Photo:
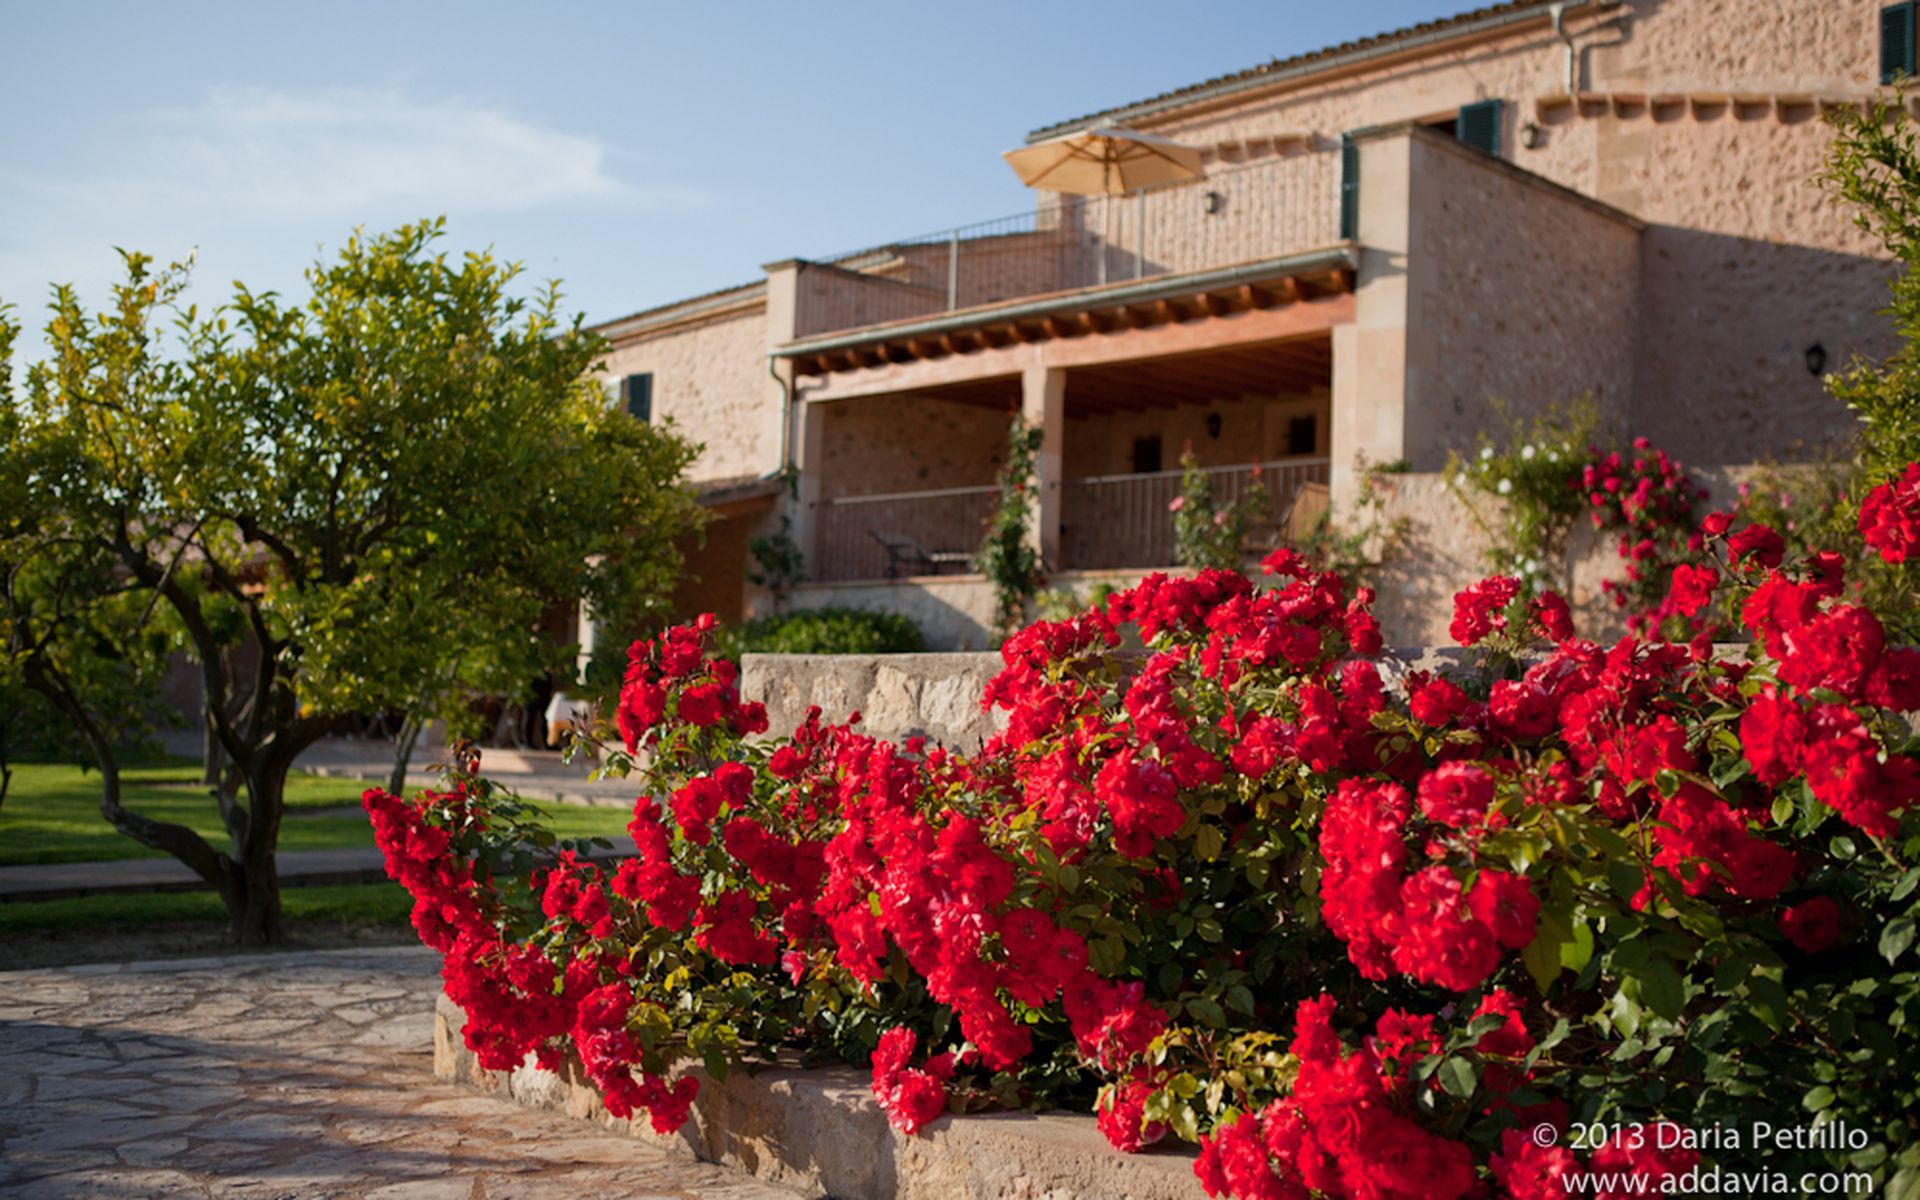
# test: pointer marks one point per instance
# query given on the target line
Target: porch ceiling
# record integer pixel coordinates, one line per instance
(1299, 365)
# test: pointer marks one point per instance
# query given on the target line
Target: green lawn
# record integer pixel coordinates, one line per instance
(52, 814)
(367, 904)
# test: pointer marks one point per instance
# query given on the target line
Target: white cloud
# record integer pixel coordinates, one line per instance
(344, 150)
(254, 174)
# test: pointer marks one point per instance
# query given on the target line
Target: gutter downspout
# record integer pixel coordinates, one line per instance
(1557, 13)
(786, 416)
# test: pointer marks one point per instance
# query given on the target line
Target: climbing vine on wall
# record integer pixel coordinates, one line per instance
(1007, 556)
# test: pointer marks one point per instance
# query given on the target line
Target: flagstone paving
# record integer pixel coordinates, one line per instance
(298, 1076)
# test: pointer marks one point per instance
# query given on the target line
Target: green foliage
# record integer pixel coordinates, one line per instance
(1059, 604)
(1008, 557)
(68, 626)
(1367, 535)
(362, 501)
(823, 631)
(1521, 486)
(1207, 534)
(779, 564)
(1873, 163)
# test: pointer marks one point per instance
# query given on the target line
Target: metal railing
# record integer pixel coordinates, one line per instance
(1238, 213)
(930, 533)
(1127, 520)
(1106, 521)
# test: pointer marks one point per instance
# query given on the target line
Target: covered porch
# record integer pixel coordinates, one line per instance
(904, 479)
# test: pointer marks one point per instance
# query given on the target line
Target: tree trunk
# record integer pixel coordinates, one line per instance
(403, 752)
(256, 916)
(254, 911)
(213, 755)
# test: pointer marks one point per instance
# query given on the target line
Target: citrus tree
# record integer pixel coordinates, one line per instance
(362, 501)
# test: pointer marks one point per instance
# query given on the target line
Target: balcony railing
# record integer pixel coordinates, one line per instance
(1106, 521)
(1240, 213)
(900, 533)
(1127, 520)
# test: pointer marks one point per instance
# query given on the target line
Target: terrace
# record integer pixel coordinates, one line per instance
(1185, 316)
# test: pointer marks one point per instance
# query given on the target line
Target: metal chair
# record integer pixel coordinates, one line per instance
(905, 550)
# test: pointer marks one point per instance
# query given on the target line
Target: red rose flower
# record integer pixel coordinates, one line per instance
(1812, 925)
(1890, 516)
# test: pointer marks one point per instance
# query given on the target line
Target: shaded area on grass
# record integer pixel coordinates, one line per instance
(47, 933)
(52, 814)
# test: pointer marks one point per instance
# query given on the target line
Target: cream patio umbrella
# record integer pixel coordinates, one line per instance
(1104, 161)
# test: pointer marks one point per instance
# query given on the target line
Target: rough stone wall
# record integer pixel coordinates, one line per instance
(710, 380)
(1519, 296)
(909, 443)
(897, 695)
(820, 1133)
(1251, 427)
(954, 612)
(1445, 546)
(1731, 306)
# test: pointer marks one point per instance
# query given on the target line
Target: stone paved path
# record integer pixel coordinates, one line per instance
(304, 1076)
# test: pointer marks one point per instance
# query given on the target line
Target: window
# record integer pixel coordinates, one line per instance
(1349, 188)
(1303, 435)
(1479, 126)
(1146, 455)
(636, 396)
(1896, 41)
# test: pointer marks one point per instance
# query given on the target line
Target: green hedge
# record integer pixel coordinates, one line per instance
(824, 631)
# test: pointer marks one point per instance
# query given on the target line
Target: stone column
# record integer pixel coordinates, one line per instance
(800, 435)
(809, 442)
(1371, 364)
(1043, 402)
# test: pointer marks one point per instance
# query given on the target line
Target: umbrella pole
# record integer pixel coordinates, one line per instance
(1106, 228)
(1140, 235)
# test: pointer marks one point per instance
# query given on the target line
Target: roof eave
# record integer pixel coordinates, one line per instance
(1413, 41)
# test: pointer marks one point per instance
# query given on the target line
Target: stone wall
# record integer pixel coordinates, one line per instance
(877, 445)
(1445, 546)
(897, 695)
(1520, 295)
(954, 612)
(819, 1132)
(1701, 120)
(710, 380)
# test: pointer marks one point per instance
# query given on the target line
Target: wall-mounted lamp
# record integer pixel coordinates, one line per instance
(1212, 202)
(1817, 359)
(1529, 135)
(1213, 425)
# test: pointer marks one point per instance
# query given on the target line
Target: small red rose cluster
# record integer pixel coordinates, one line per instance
(1646, 496)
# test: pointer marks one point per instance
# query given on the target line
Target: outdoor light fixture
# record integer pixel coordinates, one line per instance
(1529, 135)
(1211, 202)
(1213, 425)
(1817, 359)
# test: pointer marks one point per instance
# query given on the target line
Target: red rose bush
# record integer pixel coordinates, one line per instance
(1230, 878)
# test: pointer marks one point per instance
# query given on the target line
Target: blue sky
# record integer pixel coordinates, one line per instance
(640, 152)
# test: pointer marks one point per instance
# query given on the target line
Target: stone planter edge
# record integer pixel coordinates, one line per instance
(819, 1132)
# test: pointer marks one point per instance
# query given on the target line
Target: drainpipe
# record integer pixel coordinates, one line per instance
(1557, 12)
(786, 415)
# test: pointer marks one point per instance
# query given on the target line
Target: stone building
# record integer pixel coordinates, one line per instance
(1521, 205)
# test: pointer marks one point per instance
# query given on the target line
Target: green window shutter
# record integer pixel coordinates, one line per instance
(1349, 188)
(636, 394)
(1896, 41)
(1479, 126)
